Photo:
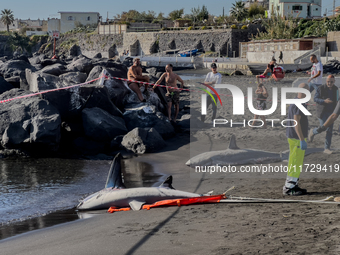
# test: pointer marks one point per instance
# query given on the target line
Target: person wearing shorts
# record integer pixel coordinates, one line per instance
(266, 74)
(172, 95)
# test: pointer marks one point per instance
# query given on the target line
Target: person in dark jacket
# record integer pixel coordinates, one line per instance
(326, 97)
(281, 57)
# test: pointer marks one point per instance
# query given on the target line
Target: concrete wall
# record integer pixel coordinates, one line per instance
(53, 25)
(224, 41)
(107, 45)
(111, 29)
(333, 41)
(29, 33)
(265, 57)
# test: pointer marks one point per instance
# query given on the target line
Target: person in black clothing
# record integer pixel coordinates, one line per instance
(281, 57)
(261, 104)
(326, 97)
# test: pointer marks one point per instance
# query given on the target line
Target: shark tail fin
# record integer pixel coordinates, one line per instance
(167, 183)
(114, 178)
(232, 143)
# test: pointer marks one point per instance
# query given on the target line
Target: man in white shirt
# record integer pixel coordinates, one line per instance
(316, 74)
(212, 78)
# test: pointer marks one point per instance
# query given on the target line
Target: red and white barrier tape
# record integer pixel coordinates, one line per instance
(50, 90)
(107, 77)
(181, 89)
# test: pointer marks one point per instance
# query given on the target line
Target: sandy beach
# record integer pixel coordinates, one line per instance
(243, 228)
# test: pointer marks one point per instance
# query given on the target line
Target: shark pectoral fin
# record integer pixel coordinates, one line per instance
(167, 183)
(136, 205)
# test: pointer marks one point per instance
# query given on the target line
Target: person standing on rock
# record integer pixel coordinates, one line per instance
(135, 74)
(172, 95)
(296, 132)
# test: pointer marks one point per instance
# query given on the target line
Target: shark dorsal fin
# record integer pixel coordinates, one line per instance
(167, 183)
(114, 179)
(232, 143)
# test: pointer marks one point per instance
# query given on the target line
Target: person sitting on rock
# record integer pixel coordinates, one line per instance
(135, 74)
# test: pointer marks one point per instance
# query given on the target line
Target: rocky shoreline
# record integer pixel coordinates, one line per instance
(82, 121)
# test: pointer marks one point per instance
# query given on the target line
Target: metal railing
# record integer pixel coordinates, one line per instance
(305, 56)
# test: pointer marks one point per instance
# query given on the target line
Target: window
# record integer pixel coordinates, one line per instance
(70, 18)
(316, 9)
(278, 7)
(88, 18)
(297, 8)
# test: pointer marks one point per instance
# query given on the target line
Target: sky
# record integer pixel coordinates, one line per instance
(43, 9)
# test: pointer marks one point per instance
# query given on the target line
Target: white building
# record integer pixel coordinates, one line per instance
(295, 8)
(70, 20)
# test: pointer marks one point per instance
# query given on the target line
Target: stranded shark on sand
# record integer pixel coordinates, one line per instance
(116, 195)
(235, 156)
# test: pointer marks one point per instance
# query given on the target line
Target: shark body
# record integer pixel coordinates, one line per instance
(115, 194)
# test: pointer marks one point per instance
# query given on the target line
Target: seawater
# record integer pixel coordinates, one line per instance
(39, 193)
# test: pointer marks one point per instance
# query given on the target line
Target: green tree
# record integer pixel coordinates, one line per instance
(198, 14)
(148, 17)
(7, 17)
(176, 14)
(19, 42)
(130, 16)
(255, 9)
(238, 11)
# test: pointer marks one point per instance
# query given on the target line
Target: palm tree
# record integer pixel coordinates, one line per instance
(238, 10)
(7, 17)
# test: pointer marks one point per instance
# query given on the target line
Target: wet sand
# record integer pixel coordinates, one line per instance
(257, 228)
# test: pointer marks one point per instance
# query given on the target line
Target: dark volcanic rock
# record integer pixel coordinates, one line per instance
(142, 140)
(98, 55)
(55, 69)
(146, 116)
(83, 65)
(100, 126)
(14, 80)
(30, 123)
(73, 78)
(14, 68)
(4, 85)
